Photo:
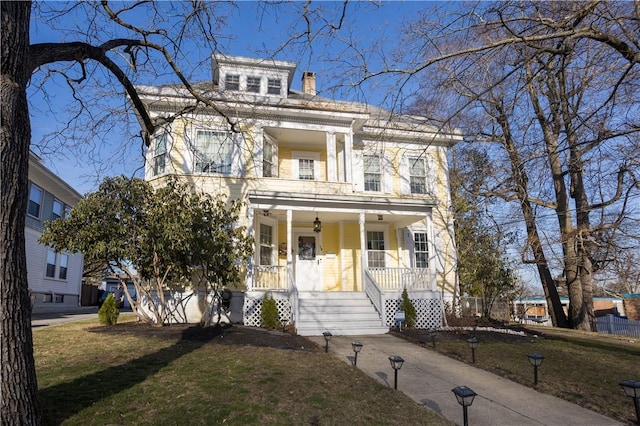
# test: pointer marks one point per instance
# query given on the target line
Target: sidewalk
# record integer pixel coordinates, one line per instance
(428, 378)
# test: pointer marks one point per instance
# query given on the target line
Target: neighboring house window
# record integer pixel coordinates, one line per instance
(269, 158)
(253, 84)
(274, 86)
(35, 201)
(52, 256)
(266, 244)
(57, 209)
(372, 173)
(64, 263)
(213, 152)
(417, 175)
(232, 82)
(421, 249)
(375, 249)
(305, 169)
(159, 154)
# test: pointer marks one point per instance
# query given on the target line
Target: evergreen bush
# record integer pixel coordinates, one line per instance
(410, 315)
(269, 315)
(108, 313)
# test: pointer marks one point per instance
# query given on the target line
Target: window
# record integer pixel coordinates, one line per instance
(64, 263)
(213, 152)
(266, 244)
(305, 169)
(417, 175)
(375, 249)
(372, 173)
(159, 154)
(35, 201)
(421, 249)
(51, 263)
(57, 209)
(232, 82)
(274, 86)
(269, 158)
(253, 84)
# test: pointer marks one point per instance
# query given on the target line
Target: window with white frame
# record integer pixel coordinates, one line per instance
(372, 173)
(52, 257)
(274, 86)
(232, 82)
(57, 209)
(375, 249)
(417, 175)
(421, 249)
(35, 201)
(269, 158)
(159, 154)
(306, 169)
(213, 152)
(266, 244)
(253, 84)
(63, 265)
(56, 262)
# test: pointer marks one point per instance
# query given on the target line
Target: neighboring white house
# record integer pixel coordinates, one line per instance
(348, 204)
(55, 279)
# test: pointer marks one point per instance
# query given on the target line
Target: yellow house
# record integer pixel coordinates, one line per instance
(348, 204)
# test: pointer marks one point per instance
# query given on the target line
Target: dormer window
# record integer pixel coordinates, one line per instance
(253, 84)
(232, 82)
(274, 86)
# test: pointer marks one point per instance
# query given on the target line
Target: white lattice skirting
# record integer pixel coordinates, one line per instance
(428, 311)
(253, 305)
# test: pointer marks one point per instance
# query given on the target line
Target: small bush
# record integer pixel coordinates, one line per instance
(269, 315)
(108, 313)
(410, 316)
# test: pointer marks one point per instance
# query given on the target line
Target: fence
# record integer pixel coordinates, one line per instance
(613, 324)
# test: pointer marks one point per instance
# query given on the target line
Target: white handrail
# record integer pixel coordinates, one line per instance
(374, 292)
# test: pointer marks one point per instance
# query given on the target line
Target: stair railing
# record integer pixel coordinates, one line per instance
(374, 292)
(293, 297)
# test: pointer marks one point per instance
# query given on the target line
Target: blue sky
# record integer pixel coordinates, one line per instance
(250, 31)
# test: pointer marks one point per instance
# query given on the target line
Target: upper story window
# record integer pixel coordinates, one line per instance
(421, 249)
(417, 175)
(269, 158)
(306, 169)
(35, 201)
(213, 152)
(253, 84)
(159, 154)
(372, 173)
(57, 209)
(274, 86)
(232, 82)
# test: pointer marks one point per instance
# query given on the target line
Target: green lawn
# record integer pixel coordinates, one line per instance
(89, 378)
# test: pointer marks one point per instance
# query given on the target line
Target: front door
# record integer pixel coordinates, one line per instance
(308, 262)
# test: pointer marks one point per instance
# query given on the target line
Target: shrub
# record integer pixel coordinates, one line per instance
(269, 315)
(410, 315)
(108, 313)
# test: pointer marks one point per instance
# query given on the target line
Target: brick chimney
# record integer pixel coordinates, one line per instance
(309, 82)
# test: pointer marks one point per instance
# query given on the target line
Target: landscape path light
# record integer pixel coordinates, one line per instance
(327, 336)
(357, 347)
(396, 363)
(465, 397)
(536, 361)
(473, 344)
(632, 390)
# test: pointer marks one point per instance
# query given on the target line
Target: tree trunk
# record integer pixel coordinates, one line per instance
(18, 383)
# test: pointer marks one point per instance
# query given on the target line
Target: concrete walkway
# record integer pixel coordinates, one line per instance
(428, 378)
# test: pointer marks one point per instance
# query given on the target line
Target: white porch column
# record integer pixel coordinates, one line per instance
(348, 156)
(258, 149)
(431, 243)
(363, 244)
(250, 234)
(289, 240)
(332, 172)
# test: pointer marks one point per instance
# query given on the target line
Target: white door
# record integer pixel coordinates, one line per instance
(308, 262)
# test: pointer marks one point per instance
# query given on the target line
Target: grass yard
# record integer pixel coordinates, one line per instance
(89, 377)
(583, 368)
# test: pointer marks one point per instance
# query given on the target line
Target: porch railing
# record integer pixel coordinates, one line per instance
(293, 297)
(271, 277)
(400, 278)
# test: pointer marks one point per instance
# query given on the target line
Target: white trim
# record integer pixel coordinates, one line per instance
(305, 155)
